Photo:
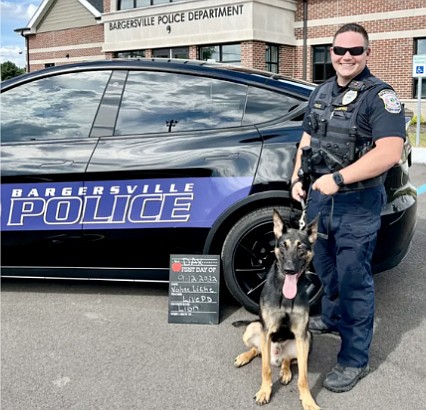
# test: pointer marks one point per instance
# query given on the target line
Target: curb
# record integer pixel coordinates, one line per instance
(419, 155)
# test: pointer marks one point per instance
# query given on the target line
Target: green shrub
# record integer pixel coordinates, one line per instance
(414, 120)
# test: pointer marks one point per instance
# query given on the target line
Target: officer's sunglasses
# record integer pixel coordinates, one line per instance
(353, 51)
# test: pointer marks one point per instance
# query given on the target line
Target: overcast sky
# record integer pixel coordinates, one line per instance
(15, 14)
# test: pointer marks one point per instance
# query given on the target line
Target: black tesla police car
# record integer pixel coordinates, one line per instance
(110, 167)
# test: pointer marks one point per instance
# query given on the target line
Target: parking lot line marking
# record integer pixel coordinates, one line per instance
(421, 189)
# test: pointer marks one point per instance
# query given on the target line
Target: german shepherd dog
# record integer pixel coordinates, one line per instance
(281, 334)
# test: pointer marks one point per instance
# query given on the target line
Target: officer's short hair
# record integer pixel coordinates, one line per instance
(356, 28)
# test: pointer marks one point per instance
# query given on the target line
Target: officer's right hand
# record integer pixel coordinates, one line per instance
(326, 185)
(297, 192)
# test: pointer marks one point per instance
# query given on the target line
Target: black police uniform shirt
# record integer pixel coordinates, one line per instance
(378, 115)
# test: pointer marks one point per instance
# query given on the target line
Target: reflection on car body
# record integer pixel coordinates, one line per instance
(165, 157)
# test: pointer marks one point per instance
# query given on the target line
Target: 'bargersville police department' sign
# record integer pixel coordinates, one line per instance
(178, 17)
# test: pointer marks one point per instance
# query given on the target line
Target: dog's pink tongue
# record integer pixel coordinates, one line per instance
(290, 286)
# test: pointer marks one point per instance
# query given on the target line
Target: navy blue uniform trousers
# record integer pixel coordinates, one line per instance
(347, 225)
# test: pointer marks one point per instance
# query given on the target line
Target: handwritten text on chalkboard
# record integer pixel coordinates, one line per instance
(194, 289)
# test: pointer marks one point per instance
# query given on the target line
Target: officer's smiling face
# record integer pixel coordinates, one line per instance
(348, 66)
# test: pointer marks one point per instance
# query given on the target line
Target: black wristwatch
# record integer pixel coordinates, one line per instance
(338, 179)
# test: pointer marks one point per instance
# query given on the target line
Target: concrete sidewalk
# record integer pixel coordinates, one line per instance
(419, 155)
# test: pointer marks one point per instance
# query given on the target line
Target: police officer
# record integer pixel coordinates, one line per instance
(354, 131)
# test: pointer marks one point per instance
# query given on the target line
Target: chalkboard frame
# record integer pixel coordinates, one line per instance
(194, 289)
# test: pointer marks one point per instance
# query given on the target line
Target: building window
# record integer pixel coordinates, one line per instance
(226, 53)
(177, 52)
(47, 65)
(322, 67)
(419, 48)
(134, 4)
(271, 58)
(131, 54)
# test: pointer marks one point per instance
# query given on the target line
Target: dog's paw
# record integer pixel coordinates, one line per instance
(240, 361)
(285, 372)
(263, 397)
(243, 359)
(286, 376)
(310, 405)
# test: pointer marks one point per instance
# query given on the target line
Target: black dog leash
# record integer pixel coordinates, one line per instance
(302, 220)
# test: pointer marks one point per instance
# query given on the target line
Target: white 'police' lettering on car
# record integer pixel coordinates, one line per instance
(90, 210)
(117, 204)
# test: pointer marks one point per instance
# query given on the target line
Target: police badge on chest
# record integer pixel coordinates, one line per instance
(349, 97)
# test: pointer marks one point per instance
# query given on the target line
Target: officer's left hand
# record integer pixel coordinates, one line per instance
(325, 185)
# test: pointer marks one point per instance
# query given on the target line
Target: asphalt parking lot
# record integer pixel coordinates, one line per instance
(92, 345)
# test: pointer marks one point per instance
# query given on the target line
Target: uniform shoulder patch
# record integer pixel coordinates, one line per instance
(391, 101)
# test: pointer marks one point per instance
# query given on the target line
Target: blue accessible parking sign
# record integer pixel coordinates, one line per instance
(419, 65)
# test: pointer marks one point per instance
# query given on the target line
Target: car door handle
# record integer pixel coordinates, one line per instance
(224, 156)
(56, 164)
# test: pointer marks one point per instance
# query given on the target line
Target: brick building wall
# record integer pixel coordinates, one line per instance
(323, 9)
(288, 61)
(66, 46)
(253, 54)
(391, 57)
(107, 6)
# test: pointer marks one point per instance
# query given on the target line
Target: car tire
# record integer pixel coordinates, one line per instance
(248, 253)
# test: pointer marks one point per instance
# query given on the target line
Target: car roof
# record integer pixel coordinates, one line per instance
(195, 67)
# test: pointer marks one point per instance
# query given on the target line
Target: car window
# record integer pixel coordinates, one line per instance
(57, 107)
(168, 102)
(264, 105)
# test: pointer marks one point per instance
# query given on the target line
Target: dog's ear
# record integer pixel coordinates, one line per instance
(279, 224)
(312, 230)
